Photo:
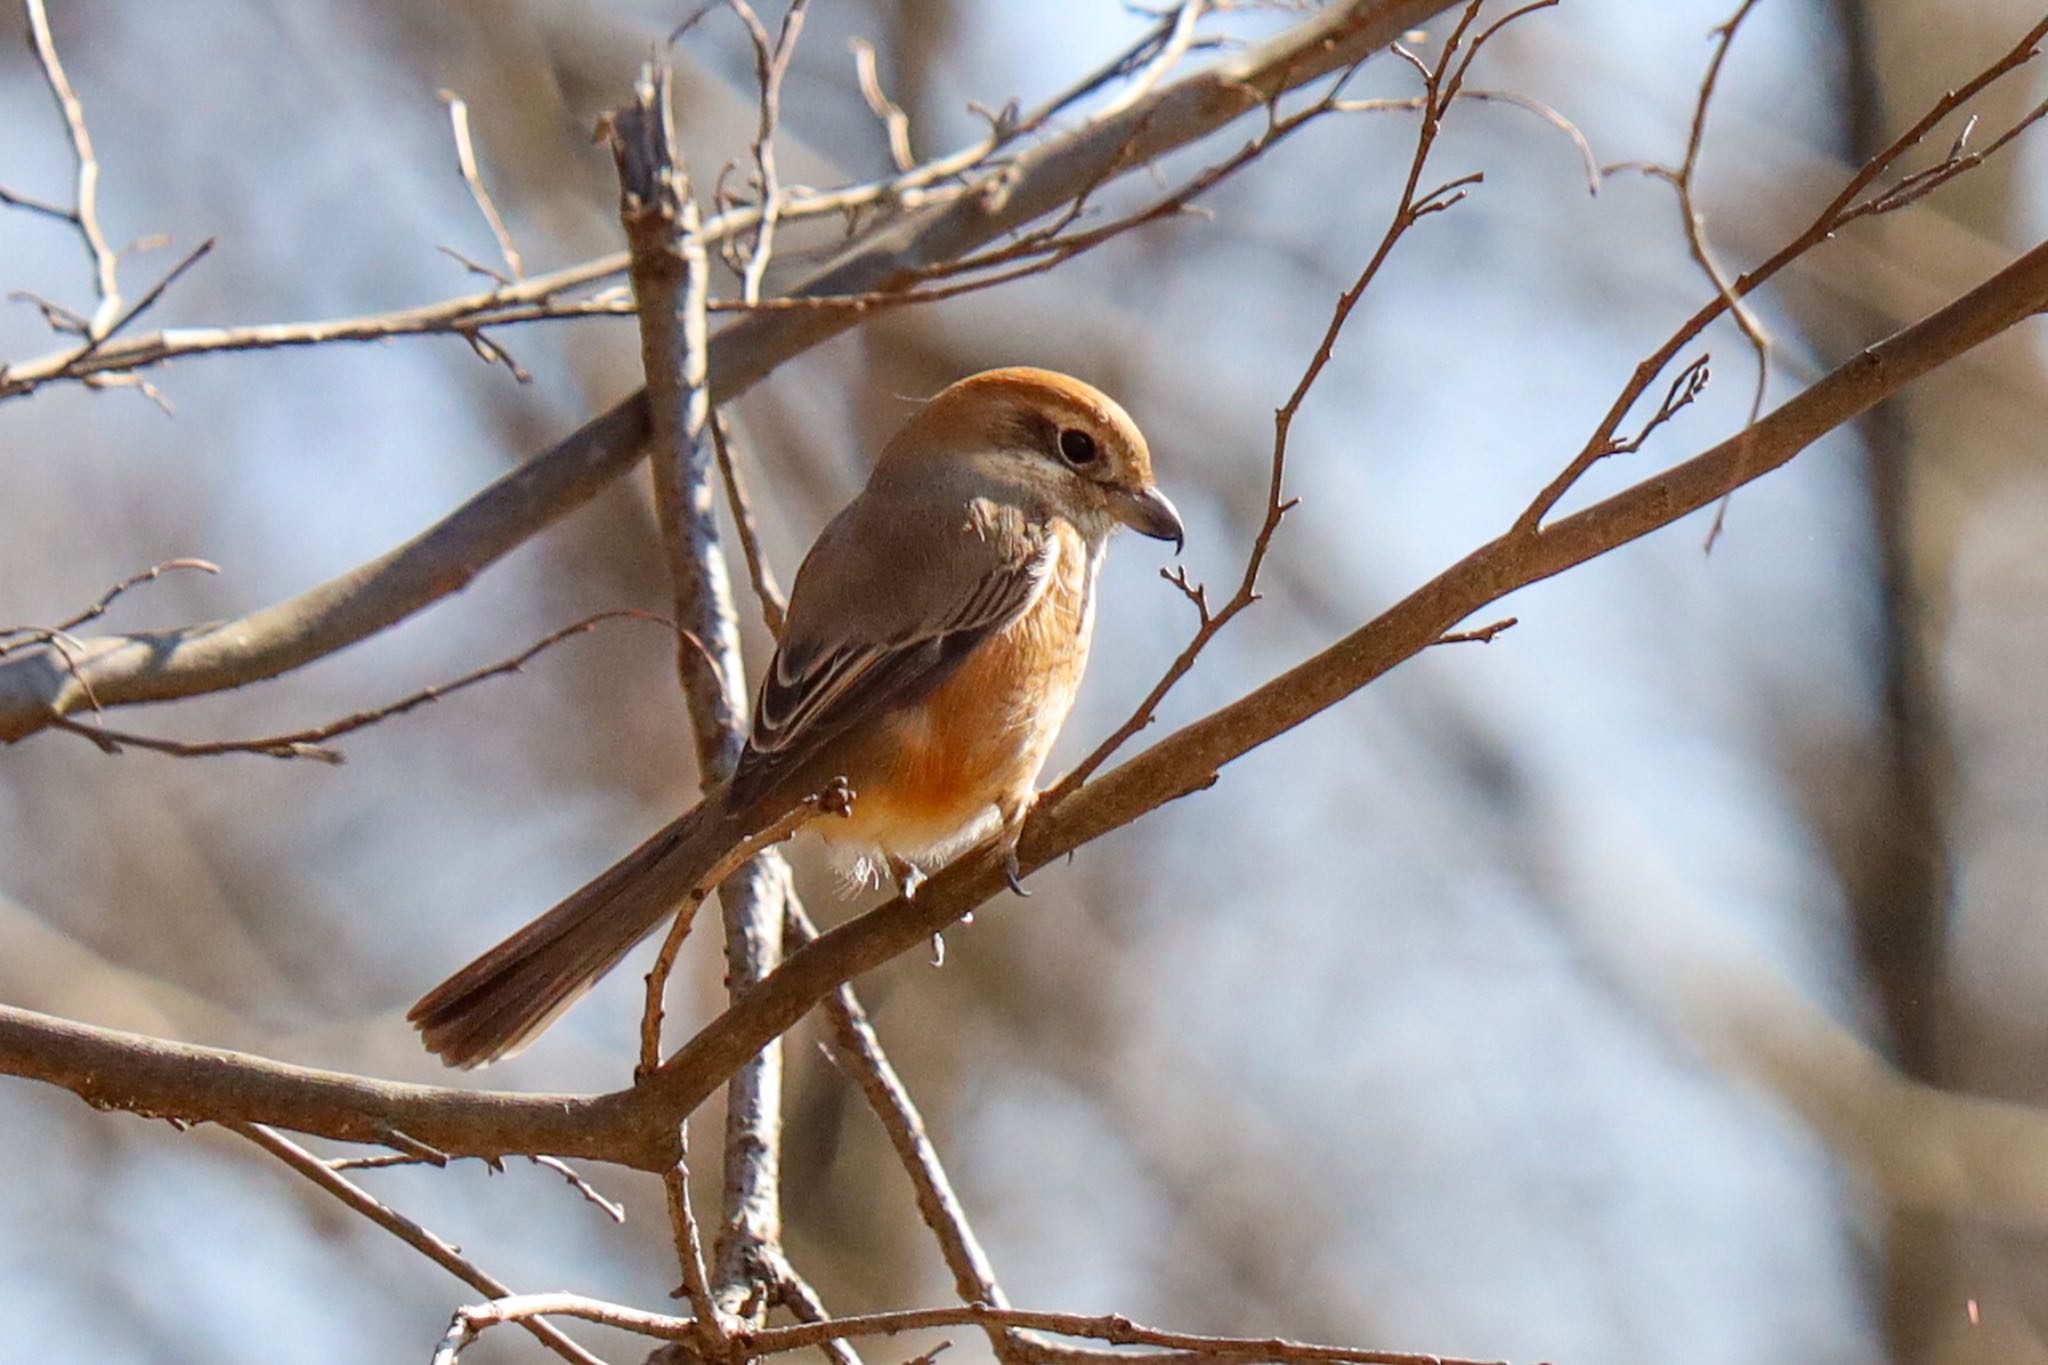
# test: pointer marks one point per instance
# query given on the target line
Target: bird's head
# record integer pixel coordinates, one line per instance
(1047, 435)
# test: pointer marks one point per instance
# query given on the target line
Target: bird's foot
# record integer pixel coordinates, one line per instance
(1013, 832)
(909, 876)
(1012, 872)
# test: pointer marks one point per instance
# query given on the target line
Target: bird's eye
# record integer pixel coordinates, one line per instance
(1077, 447)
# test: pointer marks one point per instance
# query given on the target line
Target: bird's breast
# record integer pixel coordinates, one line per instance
(979, 740)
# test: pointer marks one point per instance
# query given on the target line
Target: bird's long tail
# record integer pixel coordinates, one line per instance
(502, 1001)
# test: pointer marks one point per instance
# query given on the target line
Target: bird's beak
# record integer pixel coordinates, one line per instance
(1149, 512)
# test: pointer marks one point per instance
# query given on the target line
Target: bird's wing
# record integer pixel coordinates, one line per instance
(883, 609)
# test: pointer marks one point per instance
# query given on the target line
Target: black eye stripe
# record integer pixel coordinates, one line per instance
(1077, 446)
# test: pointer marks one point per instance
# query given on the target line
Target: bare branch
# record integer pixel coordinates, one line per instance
(381, 1161)
(1113, 1329)
(774, 605)
(104, 330)
(796, 1294)
(440, 1252)
(312, 743)
(1180, 36)
(895, 123)
(85, 212)
(1438, 93)
(99, 607)
(465, 158)
(1188, 760)
(858, 1052)
(1603, 441)
(771, 64)
(934, 225)
(670, 280)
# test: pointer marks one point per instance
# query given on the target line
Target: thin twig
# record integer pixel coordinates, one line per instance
(312, 743)
(795, 1293)
(858, 1052)
(771, 64)
(85, 213)
(381, 1161)
(1114, 1329)
(611, 1207)
(1603, 441)
(1180, 36)
(102, 334)
(895, 123)
(1696, 235)
(465, 157)
(44, 634)
(442, 1253)
(774, 604)
(932, 186)
(1551, 116)
(1439, 91)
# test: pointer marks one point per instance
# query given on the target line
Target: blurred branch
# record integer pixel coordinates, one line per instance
(465, 159)
(83, 215)
(14, 637)
(1113, 1329)
(771, 64)
(441, 1252)
(36, 689)
(160, 666)
(1843, 208)
(895, 123)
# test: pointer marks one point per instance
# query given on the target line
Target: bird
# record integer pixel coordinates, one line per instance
(933, 643)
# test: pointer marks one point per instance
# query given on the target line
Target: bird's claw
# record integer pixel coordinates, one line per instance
(909, 876)
(1012, 873)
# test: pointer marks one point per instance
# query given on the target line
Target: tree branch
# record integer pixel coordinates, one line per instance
(436, 1249)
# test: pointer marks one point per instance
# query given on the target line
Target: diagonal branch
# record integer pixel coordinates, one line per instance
(441, 1252)
(1440, 88)
(858, 1051)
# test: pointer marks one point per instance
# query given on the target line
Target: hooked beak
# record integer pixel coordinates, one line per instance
(1149, 512)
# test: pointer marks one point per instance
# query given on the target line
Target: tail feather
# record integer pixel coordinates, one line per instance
(502, 1001)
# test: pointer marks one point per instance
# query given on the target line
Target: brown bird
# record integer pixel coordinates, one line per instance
(935, 639)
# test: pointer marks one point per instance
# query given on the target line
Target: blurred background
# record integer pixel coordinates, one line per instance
(1608, 993)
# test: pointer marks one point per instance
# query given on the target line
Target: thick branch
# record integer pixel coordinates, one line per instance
(670, 279)
(109, 1069)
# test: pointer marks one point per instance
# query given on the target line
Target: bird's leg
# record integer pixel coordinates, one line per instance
(909, 876)
(1013, 814)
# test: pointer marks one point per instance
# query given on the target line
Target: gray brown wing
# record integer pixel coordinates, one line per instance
(881, 613)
